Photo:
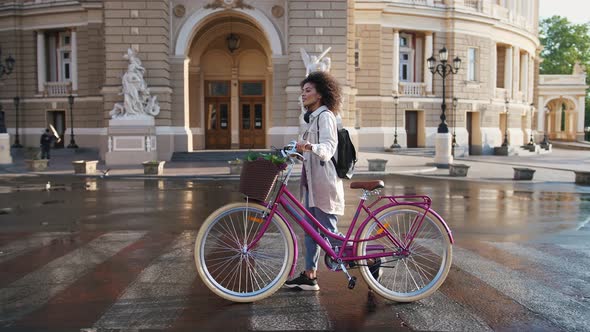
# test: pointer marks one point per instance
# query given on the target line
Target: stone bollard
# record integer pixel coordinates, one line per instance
(377, 165)
(235, 166)
(458, 169)
(84, 166)
(582, 178)
(523, 173)
(153, 167)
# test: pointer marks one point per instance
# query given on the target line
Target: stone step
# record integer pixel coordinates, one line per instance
(212, 155)
(426, 152)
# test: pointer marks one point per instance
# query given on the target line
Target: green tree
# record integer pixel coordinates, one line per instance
(564, 43)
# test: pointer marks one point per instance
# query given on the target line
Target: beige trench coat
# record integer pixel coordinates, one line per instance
(326, 191)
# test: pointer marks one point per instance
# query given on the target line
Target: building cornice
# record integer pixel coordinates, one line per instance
(437, 19)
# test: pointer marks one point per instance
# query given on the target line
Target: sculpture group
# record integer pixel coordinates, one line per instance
(137, 102)
(312, 63)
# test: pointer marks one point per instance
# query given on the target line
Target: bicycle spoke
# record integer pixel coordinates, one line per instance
(241, 273)
(413, 270)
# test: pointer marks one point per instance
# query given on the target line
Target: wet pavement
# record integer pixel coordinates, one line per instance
(115, 253)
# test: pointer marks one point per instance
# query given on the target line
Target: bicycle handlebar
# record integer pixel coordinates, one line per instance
(290, 151)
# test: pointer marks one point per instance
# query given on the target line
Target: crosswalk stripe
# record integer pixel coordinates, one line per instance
(287, 310)
(577, 267)
(158, 295)
(21, 246)
(579, 248)
(36, 288)
(20, 265)
(566, 312)
(490, 304)
(428, 316)
(13, 236)
(121, 269)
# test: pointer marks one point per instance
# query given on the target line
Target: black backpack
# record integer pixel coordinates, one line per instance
(345, 156)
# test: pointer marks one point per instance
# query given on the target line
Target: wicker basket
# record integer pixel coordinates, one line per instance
(258, 178)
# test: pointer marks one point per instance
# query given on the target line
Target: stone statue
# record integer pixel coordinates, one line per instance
(316, 63)
(137, 102)
(578, 68)
(312, 63)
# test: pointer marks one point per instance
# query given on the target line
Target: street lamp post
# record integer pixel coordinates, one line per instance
(505, 143)
(395, 145)
(443, 149)
(6, 68)
(72, 144)
(16, 143)
(8, 65)
(443, 69)
(454, 142)
(532, 141)
(545, 143)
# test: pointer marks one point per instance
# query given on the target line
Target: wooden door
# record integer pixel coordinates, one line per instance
(252, 117)
(252, 127)
(218, 133)
(469, 130)
(217, 115)
(412, 128)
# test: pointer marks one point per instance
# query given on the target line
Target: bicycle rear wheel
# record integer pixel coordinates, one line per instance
(231, 270)
(416, 274)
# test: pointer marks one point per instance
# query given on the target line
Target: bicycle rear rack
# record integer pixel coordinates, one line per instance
(416, 200)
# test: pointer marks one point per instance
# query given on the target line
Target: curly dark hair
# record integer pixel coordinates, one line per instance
(327, 86)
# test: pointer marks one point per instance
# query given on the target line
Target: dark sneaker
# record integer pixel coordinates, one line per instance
(303, 282)
(375, 269)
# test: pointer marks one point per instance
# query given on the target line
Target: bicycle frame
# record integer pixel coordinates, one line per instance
(286, 199)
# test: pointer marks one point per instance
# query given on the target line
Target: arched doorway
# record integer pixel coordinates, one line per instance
(561, 119)
(229, 90)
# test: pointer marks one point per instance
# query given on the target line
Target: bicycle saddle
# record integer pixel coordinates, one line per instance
(368, 185)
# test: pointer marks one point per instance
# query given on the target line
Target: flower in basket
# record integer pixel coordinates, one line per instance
(279, 162)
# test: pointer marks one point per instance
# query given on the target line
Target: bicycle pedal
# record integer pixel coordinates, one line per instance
(351, 283)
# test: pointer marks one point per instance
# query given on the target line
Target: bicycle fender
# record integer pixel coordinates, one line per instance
(296, 253)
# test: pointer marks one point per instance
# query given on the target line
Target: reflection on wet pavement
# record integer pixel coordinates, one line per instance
(488, 211)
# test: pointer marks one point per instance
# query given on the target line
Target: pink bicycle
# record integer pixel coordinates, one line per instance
(244, 252)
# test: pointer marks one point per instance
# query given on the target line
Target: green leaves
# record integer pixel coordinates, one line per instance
(279, 161)
(564, 43)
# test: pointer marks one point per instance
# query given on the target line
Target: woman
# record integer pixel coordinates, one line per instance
(321, 188)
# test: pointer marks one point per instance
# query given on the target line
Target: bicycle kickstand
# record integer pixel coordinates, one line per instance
(351, 280)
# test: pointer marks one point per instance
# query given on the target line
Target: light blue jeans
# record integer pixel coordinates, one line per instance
(312, 249)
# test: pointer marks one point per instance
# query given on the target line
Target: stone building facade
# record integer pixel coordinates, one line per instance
(212, 97)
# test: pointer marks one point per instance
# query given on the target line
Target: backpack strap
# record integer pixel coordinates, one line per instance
(317, 122)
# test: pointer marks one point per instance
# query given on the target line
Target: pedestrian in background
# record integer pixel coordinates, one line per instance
(46, 140)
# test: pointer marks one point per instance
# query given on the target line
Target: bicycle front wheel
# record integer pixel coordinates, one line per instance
(413, 273)
(228, 267)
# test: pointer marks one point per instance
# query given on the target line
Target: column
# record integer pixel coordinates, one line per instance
(428, 45)
(493, 70)
(531, 76)
(41, 66)
(235, 109)
(508, 72)
(541, 115)
(580, 113)
(395, 65)
(557, 125)
(516, 72)
(524, 75)
(74, 63)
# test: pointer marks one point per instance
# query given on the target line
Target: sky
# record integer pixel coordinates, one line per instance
(577, 11)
